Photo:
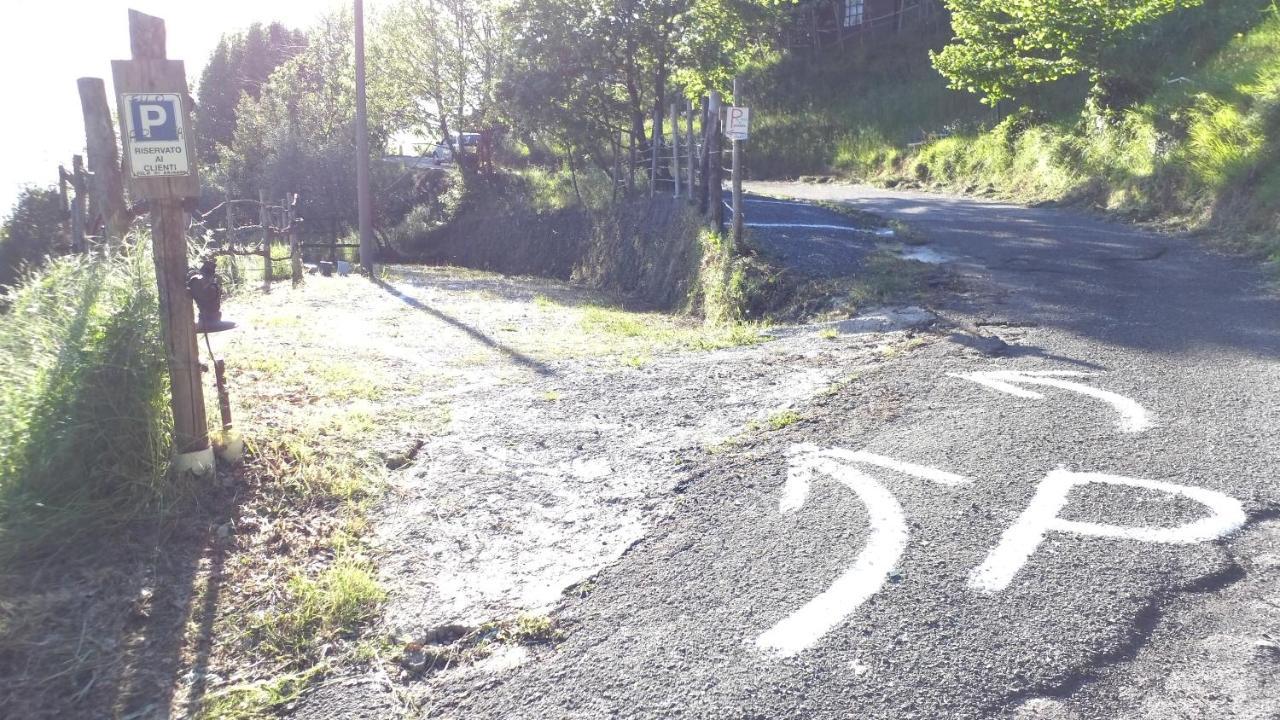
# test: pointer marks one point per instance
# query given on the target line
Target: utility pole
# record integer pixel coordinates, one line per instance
(160, 167)
(363, 198)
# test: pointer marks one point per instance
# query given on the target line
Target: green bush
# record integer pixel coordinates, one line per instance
(83, 412)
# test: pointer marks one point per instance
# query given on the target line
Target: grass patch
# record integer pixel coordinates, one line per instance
(784, 419)
(318, 610)
(84, 419)
(886, 278)
(260, 700)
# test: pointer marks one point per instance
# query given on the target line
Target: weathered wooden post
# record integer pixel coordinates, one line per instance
(264, 234)
(737, 129)
(106, 188)
(704, 180)
(654, 143)
(295, 252)
(159, 148)
(617, 165)
(64, 212)
(78, 183)
(631, 164)
(692, 149)
(715, 181)
(675, 149)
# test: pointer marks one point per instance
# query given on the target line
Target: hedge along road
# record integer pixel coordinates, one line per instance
(961, 535)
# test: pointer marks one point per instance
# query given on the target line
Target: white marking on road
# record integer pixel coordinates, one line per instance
(921, 471)
(885, 542)
(1133, 417)
(881, 232)
(1020, 541)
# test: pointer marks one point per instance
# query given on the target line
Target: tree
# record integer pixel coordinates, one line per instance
(32, 232)
(583, 70)
(438, 63)
(1002, 47)
(241, 64)
(298, 136)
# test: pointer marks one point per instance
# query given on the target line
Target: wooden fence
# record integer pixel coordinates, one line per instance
(276, 223)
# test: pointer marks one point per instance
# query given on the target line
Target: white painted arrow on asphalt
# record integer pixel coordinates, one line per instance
(884, 546)
(1133, 417)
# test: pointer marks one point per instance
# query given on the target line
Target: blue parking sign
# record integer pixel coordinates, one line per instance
(154, 117)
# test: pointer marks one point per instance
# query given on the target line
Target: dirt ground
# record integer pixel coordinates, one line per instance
(476, 444)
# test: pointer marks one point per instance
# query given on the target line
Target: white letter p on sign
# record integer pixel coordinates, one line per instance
(152, 116)
(1020, 541)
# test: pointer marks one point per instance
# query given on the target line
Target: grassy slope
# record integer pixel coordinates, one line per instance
(1199, 150)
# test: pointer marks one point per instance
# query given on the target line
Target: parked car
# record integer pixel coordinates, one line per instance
(442, 152)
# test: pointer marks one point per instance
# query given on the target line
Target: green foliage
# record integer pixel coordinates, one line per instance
(721, 281)
(83, 412)
(1004, 46)
(317, 611)
(437, 64)
(240, 65)
(583, 71)
(32, 232)
(1200, 150)
(850, 112)
(260, 700)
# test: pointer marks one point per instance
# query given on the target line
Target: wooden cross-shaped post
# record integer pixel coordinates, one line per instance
(160, 167)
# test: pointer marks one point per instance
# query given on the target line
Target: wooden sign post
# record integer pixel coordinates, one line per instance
(160, 167)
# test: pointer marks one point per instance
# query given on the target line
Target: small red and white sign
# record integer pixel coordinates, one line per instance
(737, 123)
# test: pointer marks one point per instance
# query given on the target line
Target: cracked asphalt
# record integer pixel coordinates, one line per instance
(1193, 338)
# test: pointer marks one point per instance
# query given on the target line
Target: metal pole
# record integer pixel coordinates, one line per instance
(362, 149)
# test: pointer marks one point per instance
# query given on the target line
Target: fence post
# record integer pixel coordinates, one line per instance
(655, 141)
(106, 187)
(64, 212)
(264, 219)
(692, 148)
(675, 149)
(295, 251)
(616, 142)
(715, 182)
(737, 175)
(151, 75)
(705, 176)
(79, 183)
(631, 165)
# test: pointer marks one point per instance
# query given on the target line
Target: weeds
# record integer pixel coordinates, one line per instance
(260, 700)
(83, 412)
(317, 611)
(784, 419)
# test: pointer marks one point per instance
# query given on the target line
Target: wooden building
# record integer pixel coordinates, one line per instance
(824, 23)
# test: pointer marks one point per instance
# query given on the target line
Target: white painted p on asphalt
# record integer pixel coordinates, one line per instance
(888, 535)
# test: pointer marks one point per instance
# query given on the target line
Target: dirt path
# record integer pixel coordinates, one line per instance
(552, 466)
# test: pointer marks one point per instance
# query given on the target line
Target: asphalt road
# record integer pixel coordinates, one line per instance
(1005, 545)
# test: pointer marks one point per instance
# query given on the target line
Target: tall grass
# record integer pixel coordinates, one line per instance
(83, 416)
